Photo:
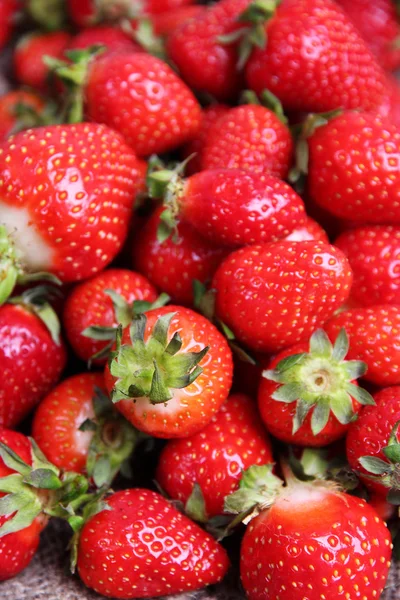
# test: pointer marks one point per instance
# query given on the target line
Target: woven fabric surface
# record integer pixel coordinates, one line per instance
(47, 578)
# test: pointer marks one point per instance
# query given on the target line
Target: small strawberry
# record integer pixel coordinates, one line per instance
(251, 138)
(230, 207)
(165, 23)
(374, 256)
(170, 372)
(308, 395)
(77, 429)
(275, 295)
(195, 147)
(8, 10)
(173, 264)
(379, 25)
(353, 168)
(205, 62)
(67, 197)
(372, 444)
(143, 547)
(214, 458)
(29, 67)
(9, 109)
(310, 231)
(374, 338)
(309, 540)
(31, 356)
(315, 60)
(100, 304)
(103, 35)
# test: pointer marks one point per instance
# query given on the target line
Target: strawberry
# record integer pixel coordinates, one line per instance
(308, 395)
(29, 67)
(103, 35)
(372, 444)
(143, 547)
(215, 458)
(173, 265)
(311, 230)
(309, 540)
(378, 24)
(275, 295)
(165, 23)
(353, 168)
(77, 429)
(8, 10)
(315, 60)
(390, 107)
(9, 106)
(101, 303)
(231, 207)
(374, 338)
(31, 355)
(374, 254)
(235, 142)
(56, 181)
(164, 378)
(195, 147)
(204, 61)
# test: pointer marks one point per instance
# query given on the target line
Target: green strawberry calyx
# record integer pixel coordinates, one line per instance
(36, 301)
(386, 472)
(320, 381)
(49, 14)
(152, 368)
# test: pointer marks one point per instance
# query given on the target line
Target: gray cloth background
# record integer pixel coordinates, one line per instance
(47, 577)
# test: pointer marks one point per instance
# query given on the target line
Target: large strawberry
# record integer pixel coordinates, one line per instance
(101, 303)
(353, 168)
(10, 105)
(275, 295)
(372, 443)
(8, 10)
(374, 335)
(315, 60)
(170, 372)
(308, 395)
(173, 264)
(143, 547)
(214, 458)
(77, 429)
(204, 61)
(309, 540)
(232, 207)
(67, 197)
(379, 25)
(31, 355)
(249, 137)
(374, 254)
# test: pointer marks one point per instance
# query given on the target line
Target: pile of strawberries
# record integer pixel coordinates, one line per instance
(200, 293)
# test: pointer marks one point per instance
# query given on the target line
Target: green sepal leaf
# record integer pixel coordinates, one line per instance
(159, 391)
(320, 344)
(289, 362)
(355, 368)
(341, 346)
(302, 410)
(289, 392)
(102, 471)
(374, 465)
(27, 511)
(342, 407)
(88, 425)
(392, 453)
(195, 507)
(43, 479)
(320, 417)
(359, 394)
(99, 332)
(257, 488)
(13, 461)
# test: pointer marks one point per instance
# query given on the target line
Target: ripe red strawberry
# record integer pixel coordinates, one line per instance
(275, 295)
(29, 67)
(215, 458)
(67, 197)
(236, 208)
(165, 23)
(315, 60)
(353, 168)
(251, 138)
(143, 546)
(103, 35)
(374, 334)
(379, 25)
(371, 437)
(205, 63)
(195, 147)
(77, 429)
(90, 304)
(9, 104)
(311, 230)
(153, 110)
(313, 542)
(170, 372)
(173, 265)
(374, 256)
(8, 10)
(31, 361)
(308, 396)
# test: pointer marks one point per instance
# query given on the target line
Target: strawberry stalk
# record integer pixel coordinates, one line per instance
(153, 368)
